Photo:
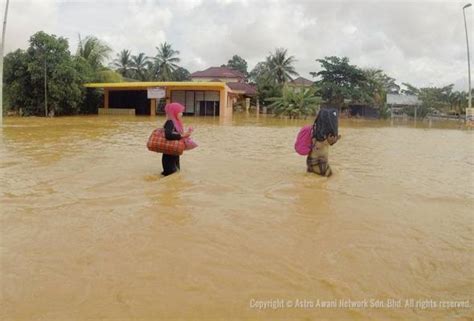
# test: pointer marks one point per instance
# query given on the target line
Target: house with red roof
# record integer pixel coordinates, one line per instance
(212, 92)
(239, 89)
(299, 84)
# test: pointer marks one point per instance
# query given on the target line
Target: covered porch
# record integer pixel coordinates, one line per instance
(139, 98)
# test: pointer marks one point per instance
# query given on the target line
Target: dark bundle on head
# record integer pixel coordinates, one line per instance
(326, 124)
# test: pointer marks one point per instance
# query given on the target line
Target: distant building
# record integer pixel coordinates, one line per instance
(398, 103)
(198, 98)
(241, 91)
(222, 74)
(402, 100)
(299, 84)
(212, 92)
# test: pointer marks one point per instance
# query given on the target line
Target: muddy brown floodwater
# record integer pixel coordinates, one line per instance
(90, 231)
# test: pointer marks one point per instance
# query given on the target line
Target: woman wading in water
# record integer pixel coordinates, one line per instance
(325, 134)
(174, 130)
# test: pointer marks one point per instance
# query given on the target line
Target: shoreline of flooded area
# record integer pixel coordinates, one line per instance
(91, 231)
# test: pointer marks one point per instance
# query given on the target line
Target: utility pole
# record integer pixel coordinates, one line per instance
(1, 61)
(45, 90)
(468, 60)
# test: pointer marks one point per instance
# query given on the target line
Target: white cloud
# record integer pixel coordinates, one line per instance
(25, 17)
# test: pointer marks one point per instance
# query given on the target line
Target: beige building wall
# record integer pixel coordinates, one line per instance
(225, 108)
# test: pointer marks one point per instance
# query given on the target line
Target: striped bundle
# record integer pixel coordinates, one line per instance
(158, 143)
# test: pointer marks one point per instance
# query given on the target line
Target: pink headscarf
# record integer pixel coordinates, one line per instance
(172, 110)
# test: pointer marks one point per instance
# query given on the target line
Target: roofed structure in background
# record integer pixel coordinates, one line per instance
(243, 88)
(403, 100)
(300, 82)
(150, 98)
(223, 74)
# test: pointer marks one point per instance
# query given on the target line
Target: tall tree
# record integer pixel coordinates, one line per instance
(379, 84)
(340, 80)
(93, 50)
(140, 65)
(266, 84)
(123, 63)
(166, 61)
(238, 63)
(259, 72)
(46, 79)
(280, 65)
(181, 74)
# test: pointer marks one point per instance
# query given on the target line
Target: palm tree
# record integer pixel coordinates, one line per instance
(140, 65)
(166, 61)
(375, 86)
(280, 66)
(93, 50)
(123, 63)
(457, 100)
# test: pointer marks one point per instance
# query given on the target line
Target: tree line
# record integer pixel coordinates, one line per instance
(46, 79)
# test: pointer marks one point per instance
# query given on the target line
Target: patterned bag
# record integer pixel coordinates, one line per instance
(158, 143)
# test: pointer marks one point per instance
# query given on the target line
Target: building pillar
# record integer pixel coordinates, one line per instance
(258, 107)
(223, 103)
(106, 98)
(152, 107)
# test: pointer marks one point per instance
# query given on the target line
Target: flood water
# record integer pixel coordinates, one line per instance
(91, 231)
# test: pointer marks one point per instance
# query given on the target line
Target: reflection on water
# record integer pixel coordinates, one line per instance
(91, 231)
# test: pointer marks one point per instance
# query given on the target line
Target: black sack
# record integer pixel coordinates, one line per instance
(326, 124)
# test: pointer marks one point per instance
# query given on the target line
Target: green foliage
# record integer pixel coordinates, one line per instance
(340, 80)
(181, 74)
(384, 111)
(162, 67)
(378, 85)
(270, 75)
(46, 60)
(93, 50)
(259, 73)
(409, 89)
(266, 85)
(458, 101)
(16, 79)
(141, 66)
(437, 99)
(238, 63)
(107, 75)
(295, 104)
(166, 62)
(123, 63)
(280, 66)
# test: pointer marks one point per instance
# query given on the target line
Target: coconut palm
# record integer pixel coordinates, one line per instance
(93, 51)
(123, 63)
(379, 85)
(140, 65)
(166, 61)
(280, 65)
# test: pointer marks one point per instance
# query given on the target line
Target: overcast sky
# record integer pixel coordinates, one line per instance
(420, 42)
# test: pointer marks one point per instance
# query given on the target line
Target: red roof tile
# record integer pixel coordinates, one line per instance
(242, 86)
(300, 81)
(218, 72)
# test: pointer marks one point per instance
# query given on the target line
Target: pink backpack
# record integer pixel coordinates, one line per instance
(304, 140)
